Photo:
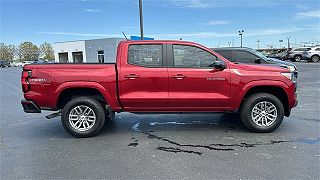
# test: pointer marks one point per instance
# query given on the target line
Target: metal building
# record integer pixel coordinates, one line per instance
(87, 51)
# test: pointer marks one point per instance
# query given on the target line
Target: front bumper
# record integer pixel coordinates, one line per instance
(30, 106)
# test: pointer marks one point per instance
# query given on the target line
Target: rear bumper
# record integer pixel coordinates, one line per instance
(30, 106)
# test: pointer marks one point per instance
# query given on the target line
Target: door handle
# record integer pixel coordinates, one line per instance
(179, 76)
(131, 76)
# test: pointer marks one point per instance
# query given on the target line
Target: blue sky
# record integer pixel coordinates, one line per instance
(209, 22)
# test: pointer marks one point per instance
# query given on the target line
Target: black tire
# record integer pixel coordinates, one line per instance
(251, 102)
(297, 58)
(94, 105)
(315, 59)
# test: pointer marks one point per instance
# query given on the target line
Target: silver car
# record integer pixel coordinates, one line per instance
(312, 55)
(295, 55)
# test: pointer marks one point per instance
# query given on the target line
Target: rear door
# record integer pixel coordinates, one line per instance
(193, 84)
(143, 78)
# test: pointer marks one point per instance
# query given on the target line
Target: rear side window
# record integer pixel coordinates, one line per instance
(226, 54)
(148, 55)
(244, 57)
(317, 49)
(193, 57)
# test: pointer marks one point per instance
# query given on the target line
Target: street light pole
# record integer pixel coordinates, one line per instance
(141, 19)
(241, 33)
(258, 44)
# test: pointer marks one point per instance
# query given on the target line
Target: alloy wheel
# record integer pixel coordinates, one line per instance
(264, 113)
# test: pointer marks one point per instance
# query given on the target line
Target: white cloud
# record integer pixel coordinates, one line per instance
(224, 3)
(78, 34)
(129, 27)
(217, 22)
(257, 32)
(92, 10)
(249, 33)
(308, 14)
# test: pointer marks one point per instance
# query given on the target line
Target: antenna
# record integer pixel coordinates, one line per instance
(124, 35)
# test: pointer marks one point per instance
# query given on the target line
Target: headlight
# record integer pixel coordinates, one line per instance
(291, 68)
(290, 76)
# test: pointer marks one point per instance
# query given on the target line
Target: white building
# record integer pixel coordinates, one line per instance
(87, 51)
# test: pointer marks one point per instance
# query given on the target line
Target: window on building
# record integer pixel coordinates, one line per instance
(190, 56)
(147, 55)
(101, 56)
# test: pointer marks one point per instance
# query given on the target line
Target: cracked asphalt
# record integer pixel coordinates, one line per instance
(161, 146)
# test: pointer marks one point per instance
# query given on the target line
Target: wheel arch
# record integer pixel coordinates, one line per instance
(67, 91)
(277, 91)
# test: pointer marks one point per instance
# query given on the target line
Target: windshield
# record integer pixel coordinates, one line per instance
(259, 54)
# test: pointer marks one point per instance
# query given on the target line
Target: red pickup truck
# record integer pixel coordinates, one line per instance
(159, 76)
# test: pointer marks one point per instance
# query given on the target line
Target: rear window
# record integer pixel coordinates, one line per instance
(148, 55)
(226, 54)
(302, 49)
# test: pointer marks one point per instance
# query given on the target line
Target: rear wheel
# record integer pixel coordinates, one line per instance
(315, 58)
(262, 112)
(83, 117)
(297, 58)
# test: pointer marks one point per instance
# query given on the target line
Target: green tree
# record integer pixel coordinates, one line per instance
(47, 51)
(7, 52)
(28, 51)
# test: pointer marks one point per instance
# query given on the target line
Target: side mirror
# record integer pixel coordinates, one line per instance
(258, 61)
(220, 65)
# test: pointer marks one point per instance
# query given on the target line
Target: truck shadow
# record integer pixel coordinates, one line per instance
(126, 122)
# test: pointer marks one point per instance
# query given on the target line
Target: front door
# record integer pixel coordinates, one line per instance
(144, 79)
(193, 84)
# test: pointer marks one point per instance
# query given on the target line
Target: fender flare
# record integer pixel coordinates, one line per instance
(81, 84)
(244, 90)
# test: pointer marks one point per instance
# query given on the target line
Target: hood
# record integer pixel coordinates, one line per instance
(263, 67)
(277, 61)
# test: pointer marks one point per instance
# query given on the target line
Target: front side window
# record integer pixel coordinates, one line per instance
(148, 55)
(244, 57)
(190, 56)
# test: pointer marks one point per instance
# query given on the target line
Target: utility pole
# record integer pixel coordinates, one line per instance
(241, 33)
(141, 19)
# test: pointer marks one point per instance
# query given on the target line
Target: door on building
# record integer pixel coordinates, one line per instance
(77, 57)
(101, 56)
(63, 57)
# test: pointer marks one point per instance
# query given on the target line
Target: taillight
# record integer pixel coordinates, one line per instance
(24, 80)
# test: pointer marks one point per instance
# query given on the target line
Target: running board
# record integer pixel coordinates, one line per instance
(53, 115)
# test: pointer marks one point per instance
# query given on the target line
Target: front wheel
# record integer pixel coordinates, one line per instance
(83, 117)
(262, 112)
(315, 58)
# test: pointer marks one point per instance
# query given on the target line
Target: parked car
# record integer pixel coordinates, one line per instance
(279, 55)
(250, 56)
(295, 54)
(159, 76)
(312, 55)
(4, 64)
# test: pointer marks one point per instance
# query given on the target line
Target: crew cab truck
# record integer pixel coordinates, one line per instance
(159, 76)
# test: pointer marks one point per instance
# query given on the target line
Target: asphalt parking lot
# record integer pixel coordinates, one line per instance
(176, 146)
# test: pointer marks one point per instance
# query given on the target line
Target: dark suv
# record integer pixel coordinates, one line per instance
(251, 56)
(4, 64)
